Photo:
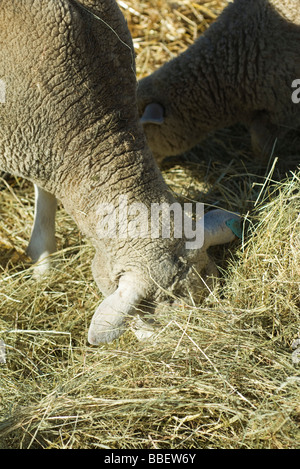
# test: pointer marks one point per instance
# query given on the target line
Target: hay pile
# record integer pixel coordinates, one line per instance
(161, 29)
(217, 376)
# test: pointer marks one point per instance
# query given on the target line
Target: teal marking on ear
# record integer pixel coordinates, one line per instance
(235, 226)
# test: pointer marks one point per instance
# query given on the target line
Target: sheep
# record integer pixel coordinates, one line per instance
(70, 125)
(243, 69)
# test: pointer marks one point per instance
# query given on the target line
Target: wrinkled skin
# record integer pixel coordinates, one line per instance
(240, 70)
(70, 125)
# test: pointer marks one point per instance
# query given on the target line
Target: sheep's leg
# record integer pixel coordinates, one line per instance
(42, 241)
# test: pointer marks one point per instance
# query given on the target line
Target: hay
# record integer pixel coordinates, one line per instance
(219, 375)
(161, 29)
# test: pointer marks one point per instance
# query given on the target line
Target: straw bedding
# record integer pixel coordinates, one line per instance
(216, 375)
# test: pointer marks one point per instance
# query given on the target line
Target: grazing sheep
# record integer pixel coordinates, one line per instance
(69, 124)
(244, 68)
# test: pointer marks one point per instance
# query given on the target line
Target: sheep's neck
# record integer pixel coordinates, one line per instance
(215, 85)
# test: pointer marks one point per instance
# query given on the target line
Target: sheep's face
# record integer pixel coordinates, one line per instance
(142, 291)
(136, 285)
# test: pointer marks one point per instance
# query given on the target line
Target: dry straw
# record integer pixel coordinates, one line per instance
(217, 375)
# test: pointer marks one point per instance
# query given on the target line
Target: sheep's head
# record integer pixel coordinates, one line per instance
(171, 126)
(174, 274)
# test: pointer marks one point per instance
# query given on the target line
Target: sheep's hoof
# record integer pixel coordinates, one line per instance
(41, 268)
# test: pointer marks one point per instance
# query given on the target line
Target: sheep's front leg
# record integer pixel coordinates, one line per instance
(42, 241)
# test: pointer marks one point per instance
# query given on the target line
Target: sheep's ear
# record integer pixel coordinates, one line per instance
(221, 227)
(153, 114)
(109, 319)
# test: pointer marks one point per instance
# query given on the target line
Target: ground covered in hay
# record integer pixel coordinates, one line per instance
(219, 375)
